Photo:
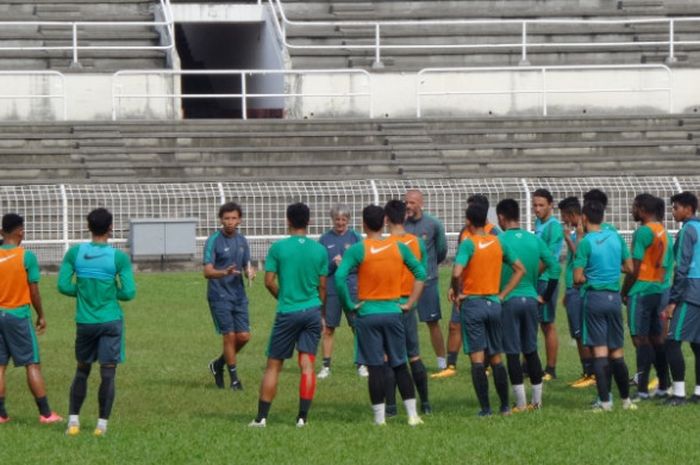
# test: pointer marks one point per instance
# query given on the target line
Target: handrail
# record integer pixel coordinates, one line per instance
(524, 45)
(61, 96)
(544, 91)
(75, 46)
(117, 96)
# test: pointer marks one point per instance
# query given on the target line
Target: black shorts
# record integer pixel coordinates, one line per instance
(334, 310)
(481, 326)
(379, 334)
(300, 329)
(519, 319)
(230, 316)
(100, 342)
(410, 327)
(17, 340)
(602, 319)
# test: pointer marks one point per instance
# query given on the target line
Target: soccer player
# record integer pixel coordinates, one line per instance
(98, 276)
(380, 331)
(295, 275)
(226, 259)
(642, 288)
(429, 228)
(19, 288)
(597, 195)
(683, 309)
(476, 288)
(548, 228)
(519, 307)
(395, 211)
(660, 360)
(599, 256)
(570, 209)
(336, 241)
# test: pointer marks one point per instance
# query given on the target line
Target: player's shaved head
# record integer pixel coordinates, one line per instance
(373, 217)
(395, 211)
(11, 222)
(414, 203)
(415, 194)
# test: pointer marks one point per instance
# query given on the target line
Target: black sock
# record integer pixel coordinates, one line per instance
(43, 404)
(219, 363)
(622, 377)
(481, 385)
(661, 367)
(551, 370)
(78, 390)
(263, 410)
(676, 362)
(304, 406)
(600, 368)
(404, 382)
(500, 379)
(588, 366)
(452, 359)
(233, 373)
(420, 378)
(375, 383)
(515, 369)
(3, 412)
(696, 351)
(645, 355)
(389, 385)
(106, 394)
(534, 367)
(327, 362)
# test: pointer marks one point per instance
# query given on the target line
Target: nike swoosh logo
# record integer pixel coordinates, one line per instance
(409, 242)
(92, 257)
(601, 241)
(4, 259)
(660, 234)
(483, 245)
(380, 249)
(331, 246)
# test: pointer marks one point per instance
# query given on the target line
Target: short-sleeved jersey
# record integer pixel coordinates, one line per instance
(552, 233)
(649, 246)
(569, 270)
(601, 254)
(18, 268)
(489, 228)
(336, 244)
(223, 251)
(482, 257)
(530, 250)
(380, 264)
(417, 248)
(299, 263)
(432, 232)
(103, 276)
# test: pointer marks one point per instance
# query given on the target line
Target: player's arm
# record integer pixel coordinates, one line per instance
(126, 288)
(583, 251)
(351, 259)
(271, 269)
(66, 285)
(465, 251)
(627, 265)
(519, 271)
(440, 242)
(31, 265)
(419, 272)
(271, 283)
(323, 279)
(551, 265)
(249, 270)
(641, 240)
(209, 257)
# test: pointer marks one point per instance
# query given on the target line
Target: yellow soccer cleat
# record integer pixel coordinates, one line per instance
(578, 380)
(448, 372)
(515, 409)
(99, 432)
(584, 382)
(73, 430)
(653, 385)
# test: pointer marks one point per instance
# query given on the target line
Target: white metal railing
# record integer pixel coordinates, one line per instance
(75, 46)
(543, 89)
(38, 96)
(524, 45)
(244, 95)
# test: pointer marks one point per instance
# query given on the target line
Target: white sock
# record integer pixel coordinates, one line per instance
(410, 405)
(537, 393)
(102, 424)
(379, 411)
(442, 363)
(606, 405)
(679, 388)
(697, 390)
(519, 393)
(73, 420)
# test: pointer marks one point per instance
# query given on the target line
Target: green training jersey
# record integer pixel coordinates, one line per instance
(642, 239)
(552, 233)
(299, 263)
(530, 250)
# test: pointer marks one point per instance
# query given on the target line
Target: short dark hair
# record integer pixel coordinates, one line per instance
(646, 203)
(508, 209)
(476, 214)
(686, 199)
(395, 211)
(11, 222)
(596, 195)
(480, 199)
(373, 217)
(545, 194)
(660, 210)
(99, 221)
(229, 207)
(594, 211)
(570, 206)
(298, 215)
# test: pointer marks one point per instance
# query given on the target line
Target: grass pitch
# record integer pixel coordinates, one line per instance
(167, 409)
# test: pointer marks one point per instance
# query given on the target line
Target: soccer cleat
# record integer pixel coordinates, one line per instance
(505, 411)
(73, 429)
(324, 373)
(426, 408)
(4, 420)
(653, 384)
(53, 418)
(640, 396)
(675, 401)
(534, 406)
(383, 423)
(694, 399)
(634, 380)
(414, 421)
(301, 422)
(515, 409)
(661, 395)
(236, 385)
(362, 371)
(99, 432)
(448, 372)
(627, 404)
(390, 411)
(584, 382)
(601, 407)
(484, 413)
(217, 374)
(578, 380)
(548, 376)
(257, 424)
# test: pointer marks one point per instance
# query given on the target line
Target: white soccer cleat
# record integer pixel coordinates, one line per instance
(362, 371)
(257, 424)
(301, 423)
(627, 404)
(414, 421)
(324, 373)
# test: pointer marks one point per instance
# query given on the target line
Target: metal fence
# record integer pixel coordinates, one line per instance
(55, 214)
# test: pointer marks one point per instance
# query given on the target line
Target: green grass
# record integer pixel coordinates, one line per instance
(167, 410)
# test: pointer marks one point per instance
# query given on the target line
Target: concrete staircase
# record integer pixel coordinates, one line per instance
(59, 36)
(413, 59)
(227, 150)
